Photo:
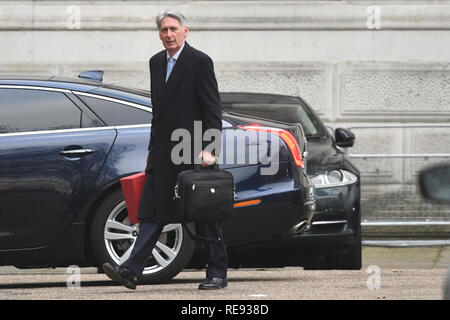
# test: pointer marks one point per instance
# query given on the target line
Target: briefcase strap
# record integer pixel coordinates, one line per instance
(199, 238)
(214, 166)
(177, 195)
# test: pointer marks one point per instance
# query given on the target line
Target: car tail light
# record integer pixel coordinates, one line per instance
(287, 137)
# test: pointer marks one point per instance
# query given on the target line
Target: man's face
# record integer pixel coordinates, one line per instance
(172, 34)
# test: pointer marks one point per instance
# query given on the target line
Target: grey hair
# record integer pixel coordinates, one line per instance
(173, 14)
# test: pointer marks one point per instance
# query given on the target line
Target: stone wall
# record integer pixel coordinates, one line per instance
(357, 63)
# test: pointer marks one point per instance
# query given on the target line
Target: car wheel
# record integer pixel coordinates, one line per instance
(351, 260)
(112, 240)
(348, 261)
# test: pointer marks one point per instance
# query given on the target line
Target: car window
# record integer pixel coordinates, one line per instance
(290, 113)
(23, 110)
(117, 114)
(87, 122)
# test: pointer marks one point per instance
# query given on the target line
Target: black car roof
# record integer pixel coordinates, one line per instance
(253, 97)
(25, 77)
(87, 85)
(79, 84)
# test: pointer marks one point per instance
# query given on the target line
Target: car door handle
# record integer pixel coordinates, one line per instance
(76, 152)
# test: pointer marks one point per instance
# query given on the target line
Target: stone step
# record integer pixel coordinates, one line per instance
(394, 215)
(405, 243)
(402, 217)
(413, 228)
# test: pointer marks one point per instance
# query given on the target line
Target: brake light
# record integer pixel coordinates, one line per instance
(287, 137)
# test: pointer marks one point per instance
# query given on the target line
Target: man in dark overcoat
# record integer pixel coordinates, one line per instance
(184, 91)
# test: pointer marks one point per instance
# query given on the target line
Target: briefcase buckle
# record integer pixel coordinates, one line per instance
(176, 196)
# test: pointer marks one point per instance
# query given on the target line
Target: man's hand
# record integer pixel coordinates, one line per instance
(207, 158)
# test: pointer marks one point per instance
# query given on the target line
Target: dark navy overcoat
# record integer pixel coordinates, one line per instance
(190, 94)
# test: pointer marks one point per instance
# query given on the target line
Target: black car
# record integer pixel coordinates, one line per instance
(65, 144)
(334, 239)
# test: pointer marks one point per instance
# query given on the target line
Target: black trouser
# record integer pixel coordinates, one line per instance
(149, 233)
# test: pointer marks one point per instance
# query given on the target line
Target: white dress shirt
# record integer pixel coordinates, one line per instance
(176, 55)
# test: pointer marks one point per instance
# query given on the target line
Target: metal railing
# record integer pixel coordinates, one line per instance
(418, 223)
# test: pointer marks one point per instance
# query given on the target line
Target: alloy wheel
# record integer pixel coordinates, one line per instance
(120, 236)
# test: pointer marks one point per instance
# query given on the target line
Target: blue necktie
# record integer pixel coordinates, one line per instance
(170, 65)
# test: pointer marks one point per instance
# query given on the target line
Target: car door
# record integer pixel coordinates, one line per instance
(50, 154)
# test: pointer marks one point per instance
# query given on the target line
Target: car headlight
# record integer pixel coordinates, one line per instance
(335, 178)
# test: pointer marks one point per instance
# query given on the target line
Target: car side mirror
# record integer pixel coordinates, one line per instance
(344, 138)
(435, 183)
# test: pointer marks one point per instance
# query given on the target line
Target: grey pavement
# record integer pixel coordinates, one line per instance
(406, 258)
(404, 273)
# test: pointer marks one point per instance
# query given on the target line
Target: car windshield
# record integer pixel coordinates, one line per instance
(289, 113)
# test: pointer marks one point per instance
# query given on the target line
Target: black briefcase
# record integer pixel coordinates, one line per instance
(205, 194)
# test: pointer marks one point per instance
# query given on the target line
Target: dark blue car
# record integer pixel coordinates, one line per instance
(66, 143)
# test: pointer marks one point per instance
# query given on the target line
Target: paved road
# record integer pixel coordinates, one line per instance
(416, 273)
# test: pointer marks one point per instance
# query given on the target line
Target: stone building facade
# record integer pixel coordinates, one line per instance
(370, 64)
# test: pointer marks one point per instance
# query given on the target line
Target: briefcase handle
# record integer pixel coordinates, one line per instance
(214, 166)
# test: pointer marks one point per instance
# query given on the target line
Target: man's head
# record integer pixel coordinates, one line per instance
(172, 30)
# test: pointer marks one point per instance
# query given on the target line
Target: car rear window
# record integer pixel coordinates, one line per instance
(117, 114)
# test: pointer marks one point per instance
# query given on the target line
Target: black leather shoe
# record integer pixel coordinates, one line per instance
(121, 275)
(213, 284)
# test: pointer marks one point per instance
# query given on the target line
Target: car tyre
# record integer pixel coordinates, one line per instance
(351, 260)
(112, 238)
